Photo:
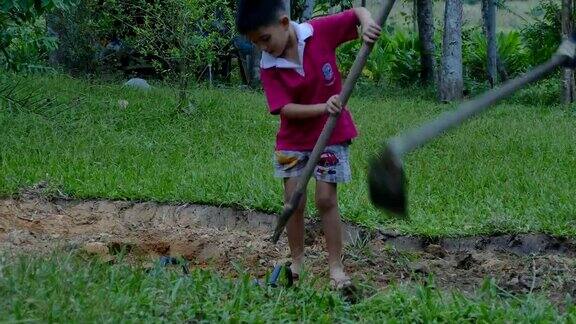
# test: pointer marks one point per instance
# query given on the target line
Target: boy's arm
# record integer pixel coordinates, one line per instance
(343, 27)
(370, 29)
(297, 111)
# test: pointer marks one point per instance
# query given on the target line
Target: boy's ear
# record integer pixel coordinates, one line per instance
(284, 21)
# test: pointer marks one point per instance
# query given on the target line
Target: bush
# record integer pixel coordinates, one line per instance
(544, 35)
(144, 36)
(404, 49)
(394, 58)
(28, 47)
(24, 41)
(542, 93)
(511, 50)
(346, 54)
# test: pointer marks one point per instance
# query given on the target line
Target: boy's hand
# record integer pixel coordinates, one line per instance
(370, 31)
(334, 105)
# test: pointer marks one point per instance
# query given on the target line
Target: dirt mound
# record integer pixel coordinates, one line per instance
(226, 240)
(202, 234)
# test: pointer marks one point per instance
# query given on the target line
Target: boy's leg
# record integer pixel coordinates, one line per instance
(295, 226)
(327, 205)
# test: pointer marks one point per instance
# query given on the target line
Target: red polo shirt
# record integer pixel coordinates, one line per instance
(313, 82)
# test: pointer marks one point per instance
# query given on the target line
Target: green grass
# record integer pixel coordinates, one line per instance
(512, 170)
(68, 288)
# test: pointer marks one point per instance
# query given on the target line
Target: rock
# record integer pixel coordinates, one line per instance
(122, 103)
(138, 84)
(387, 233)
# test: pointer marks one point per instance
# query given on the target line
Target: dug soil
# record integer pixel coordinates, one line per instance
(231, 241)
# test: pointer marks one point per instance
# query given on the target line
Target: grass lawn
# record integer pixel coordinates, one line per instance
(67, 288)
(508, 171)
(512, 170)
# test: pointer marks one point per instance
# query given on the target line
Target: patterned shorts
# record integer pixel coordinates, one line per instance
(334, 165)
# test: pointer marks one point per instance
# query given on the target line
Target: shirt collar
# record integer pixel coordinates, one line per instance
(303, 32)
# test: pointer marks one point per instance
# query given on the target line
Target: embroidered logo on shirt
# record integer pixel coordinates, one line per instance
(328, 73)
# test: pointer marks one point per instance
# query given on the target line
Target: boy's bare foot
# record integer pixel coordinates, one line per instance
(296, 267)
(339, 279)
(340, 282)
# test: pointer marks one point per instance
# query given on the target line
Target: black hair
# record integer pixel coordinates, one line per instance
(253, 14)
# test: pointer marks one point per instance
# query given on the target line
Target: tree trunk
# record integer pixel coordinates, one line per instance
(308, 10)
(489, 15)
(427, 47)
(568, 82)
(55, 56)
(254, 67)
(502, 72)
(451, 78)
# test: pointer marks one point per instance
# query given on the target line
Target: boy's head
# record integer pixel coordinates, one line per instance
(265, 23)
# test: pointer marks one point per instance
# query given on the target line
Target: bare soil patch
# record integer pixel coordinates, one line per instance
(226, 240)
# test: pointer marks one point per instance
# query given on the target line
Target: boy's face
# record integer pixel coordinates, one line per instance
(273, 38)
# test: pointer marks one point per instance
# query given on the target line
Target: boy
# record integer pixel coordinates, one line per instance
(302, 85)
